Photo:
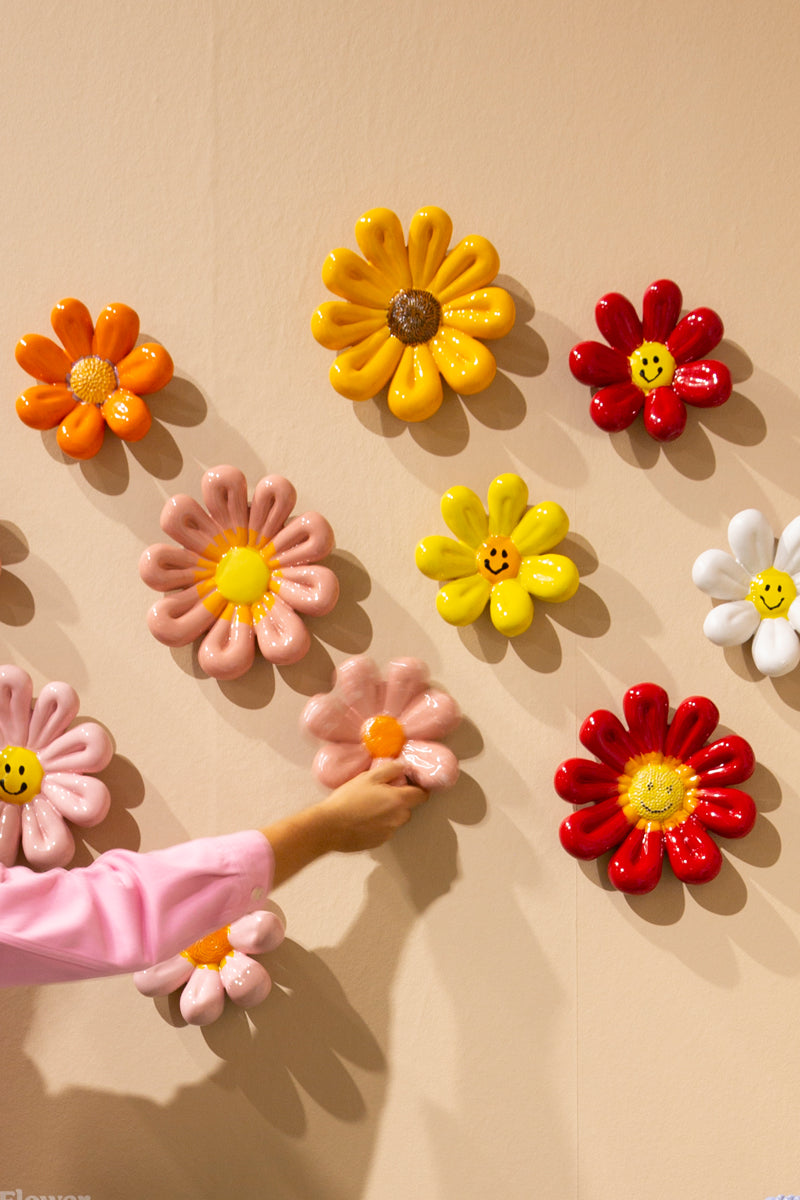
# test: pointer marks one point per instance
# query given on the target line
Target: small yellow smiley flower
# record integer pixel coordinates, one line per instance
(500, 557)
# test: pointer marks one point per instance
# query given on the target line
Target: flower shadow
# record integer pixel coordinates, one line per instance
(17, 605)
(118, 830)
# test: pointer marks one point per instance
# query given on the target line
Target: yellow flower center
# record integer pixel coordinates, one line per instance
(383, 736)
(657, 790)
(210, 951)
(21, 775)
(414, 316)
(242, 575)
(652, 366)
(92, 379)
(772, 592)
(498, 558)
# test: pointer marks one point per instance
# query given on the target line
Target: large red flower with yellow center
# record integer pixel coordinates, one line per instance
(657, 363)
(658, 786)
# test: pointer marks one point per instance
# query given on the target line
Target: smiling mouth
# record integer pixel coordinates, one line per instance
(772, 607)
(8, 792)
(489, 568)
(655, 377)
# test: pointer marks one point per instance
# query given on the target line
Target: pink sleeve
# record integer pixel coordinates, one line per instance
(126, 911)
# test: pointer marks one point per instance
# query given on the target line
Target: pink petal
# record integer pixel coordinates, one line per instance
(597, 365)
(83, 799)
(203, 998)
(16, 694)
(87, 747)
(705, 384)
(166, 567)
(228, 649)
(431, 716)
(584, 781)
(660, 310)
(164, 977)
(46, 840)
(304, 540)
(256, 933)
(273, 500)
(405, 679)
(646, 708)
(604, 736)
(694, 722)
(616, 407)
(313, 590)
(619, 323)
(225, 495)
(55, 709)
(245, 980)
(183, 519)
(282, 636)
(698, 333)
(10, 830)
(328, 718)
(336, 762)
(429, 765)
(664, 414)
(693, 856)
(361, 686)
(179, 618)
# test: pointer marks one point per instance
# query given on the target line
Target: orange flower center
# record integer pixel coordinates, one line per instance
(210, 951)
(414, 316)
(21, 775)
(657, 790)
(92, 379)
(498, 558)
(383, 736)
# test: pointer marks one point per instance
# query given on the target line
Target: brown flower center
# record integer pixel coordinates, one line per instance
(414, 316)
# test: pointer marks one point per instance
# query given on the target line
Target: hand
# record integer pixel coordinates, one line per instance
(364, 812)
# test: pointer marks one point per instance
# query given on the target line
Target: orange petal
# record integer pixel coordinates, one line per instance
(146, 369)
(81, 434)
(42, 358)
(116, 332)
(44, 406)
(127, 415)
(72, 321)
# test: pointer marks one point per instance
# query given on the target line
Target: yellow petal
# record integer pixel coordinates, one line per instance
(465, 516)
(552, 577)
(462, 601)
(489, 313)
(428, 238)
(470, 265)
(380, 237)
(508, 495)
(511, 609)
(441, 558)
(466, 364)
(416, 391)
(365, 368)
(338, 323)
(541, 528)
(348, 276)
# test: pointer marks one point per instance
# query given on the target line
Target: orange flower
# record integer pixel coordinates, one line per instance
(97, 379)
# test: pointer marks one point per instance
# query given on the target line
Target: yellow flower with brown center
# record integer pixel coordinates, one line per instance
(412, 313)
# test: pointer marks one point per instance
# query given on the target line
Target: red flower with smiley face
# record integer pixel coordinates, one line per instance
(656, 363)
(659, 785)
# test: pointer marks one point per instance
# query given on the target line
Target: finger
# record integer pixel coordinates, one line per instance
(385, 772)
(411, 795)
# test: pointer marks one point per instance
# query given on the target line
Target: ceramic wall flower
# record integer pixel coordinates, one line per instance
(243, 574)
(365, 720)
(657, 363)
(216, 966)
(501, 558)
(658, 786)
(44, 765)
(411, 314)
(759, 585)
(97, 379)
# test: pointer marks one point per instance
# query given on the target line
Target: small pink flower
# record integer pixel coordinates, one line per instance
(216, 966)
(241, 574)
(365, 720)
(43, 765)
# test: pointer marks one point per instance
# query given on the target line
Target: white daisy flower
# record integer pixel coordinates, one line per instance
(759, 583)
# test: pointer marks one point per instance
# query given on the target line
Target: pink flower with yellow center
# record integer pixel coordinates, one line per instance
(657, 363)
(659, 785)
(243, 575)
(217, 966)
(366, 720)
(43, 770)
(97, 380)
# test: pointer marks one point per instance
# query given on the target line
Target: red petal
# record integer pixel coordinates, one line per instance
(646, 708)
(699, 331)
(694, 722)
(704, 384)
(727, 811)
(660, 310)
(615, 407)
(636, 867)
(597, 365)
(581, 780)
(607, 738)
(693, 856)
(664, 414)
(619, 323)
(592, 831)
(728, 760)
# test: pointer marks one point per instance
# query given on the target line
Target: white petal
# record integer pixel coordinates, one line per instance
(787, 556)
(752, 540)
(776, 649)
(731, 624)
(720, 576)
(793, 615)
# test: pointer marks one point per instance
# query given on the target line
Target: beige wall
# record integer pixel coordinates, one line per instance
(468, 1013)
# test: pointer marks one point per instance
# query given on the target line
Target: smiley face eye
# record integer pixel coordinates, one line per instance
(505, 554)
(766, 588)
(644, 362)
(21, 770)
(493, 551)
(655, 358)
(8, 768)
